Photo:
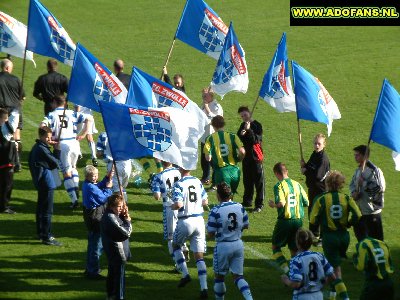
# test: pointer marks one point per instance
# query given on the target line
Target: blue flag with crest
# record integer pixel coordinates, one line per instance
(313, 102)
(91, 81)
(386, 125)
(276, 88)
(202, 28)
(46, 36)
(166, 133)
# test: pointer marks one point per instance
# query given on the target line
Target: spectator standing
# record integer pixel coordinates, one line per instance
(94, 198)
(316, 169)
(179, 82)
(250, 133)
(11, 97)
(211, 108)
(367, 187)
(41, 162)
(224, 150)
(50, 85)
(119, 73)
(8, 153)
(290, 198)
(115, 230)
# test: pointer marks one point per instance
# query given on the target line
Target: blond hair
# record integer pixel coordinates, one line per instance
(334, 181)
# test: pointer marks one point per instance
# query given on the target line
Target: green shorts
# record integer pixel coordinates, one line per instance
(228, 174)
(335, 244)
(377, 289)
(285, 233)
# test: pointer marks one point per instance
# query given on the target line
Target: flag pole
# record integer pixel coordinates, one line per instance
(168, 56)
(299, 137)
(254, 105)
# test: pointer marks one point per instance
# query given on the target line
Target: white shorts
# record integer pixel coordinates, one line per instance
(124, 169)
(229, 256)
(170, 218)
(69, 154)
(92, 128)
(192, 229)
(309, 296)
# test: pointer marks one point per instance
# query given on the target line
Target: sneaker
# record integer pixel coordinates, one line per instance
(184, 281)
(51, 241)
(8, 211)
(257, 210)
(186, 255)
(205, 181)
(204, 294)
(245, 204)
(95, 276)
(74, 205)
(17, 168)
(95, 162)
(212, 188)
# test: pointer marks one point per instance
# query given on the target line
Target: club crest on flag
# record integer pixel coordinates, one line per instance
(212, 32)
(6, 40)
(233, 65)
(279, 87)
(323, 97)
(152, 129)
(100, 91)
(59, 42)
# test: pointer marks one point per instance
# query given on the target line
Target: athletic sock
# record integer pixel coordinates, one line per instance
(202, 272)
(280, 259)
(219, 289)
(180, 262)
(75, 177)
(244, 288)
(170, 248)
(340, 289)
(159, 166)
(92, 147)
(145, 163)
(70, 188)
(332, 295)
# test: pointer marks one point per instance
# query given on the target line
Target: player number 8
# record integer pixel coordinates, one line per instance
(336, 211)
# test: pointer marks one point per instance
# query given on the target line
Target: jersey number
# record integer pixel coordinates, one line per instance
(292, 200)
(63, 120)
(233, 221)
(336, 211)
(168, 182)
(224, 149)
(379, 256)
(192, 193)
(312, 271)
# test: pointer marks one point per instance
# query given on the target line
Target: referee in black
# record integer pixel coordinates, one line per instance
(49, 85)
(250, 133)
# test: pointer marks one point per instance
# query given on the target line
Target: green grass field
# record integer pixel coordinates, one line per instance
(350, 61)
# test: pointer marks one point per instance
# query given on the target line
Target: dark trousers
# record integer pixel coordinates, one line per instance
(312, 193)
(253, 177)
(369, 225)
(94, 250)
(6, 185)
(116, 280)
(44, 212)
(205, 165)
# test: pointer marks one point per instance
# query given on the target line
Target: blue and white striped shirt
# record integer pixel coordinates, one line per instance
(163, 182)
(189, 191)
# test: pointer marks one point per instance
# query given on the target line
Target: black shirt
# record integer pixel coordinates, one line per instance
(49, 85)
(124, 78)
(11, 92)
(316, 170)
(251, 137)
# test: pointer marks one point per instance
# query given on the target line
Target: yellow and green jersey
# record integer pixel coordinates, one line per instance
(223, 148)
(293, 198)
(334, 211)
(373, 257)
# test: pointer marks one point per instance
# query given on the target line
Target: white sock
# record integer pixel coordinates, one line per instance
(70, 188)
(75, 177)
(180, 262)
(219, 289)
(244, 288)
(92, 147)
(202, 272)
(170, 248)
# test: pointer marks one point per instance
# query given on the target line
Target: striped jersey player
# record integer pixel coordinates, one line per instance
(64, 128)
(226, 222)
(189, 197)
(162, 189)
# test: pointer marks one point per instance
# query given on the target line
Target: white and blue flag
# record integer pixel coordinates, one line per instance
(276, 88)
(202, 28)
(91, 81)
(231, 72)
(386, 125)
(13, 37)
(46, 36)
(166, 133)
(148, 91)
(313, 102)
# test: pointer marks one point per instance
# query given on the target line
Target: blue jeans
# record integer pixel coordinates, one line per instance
(94, 250)
(44, 212)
